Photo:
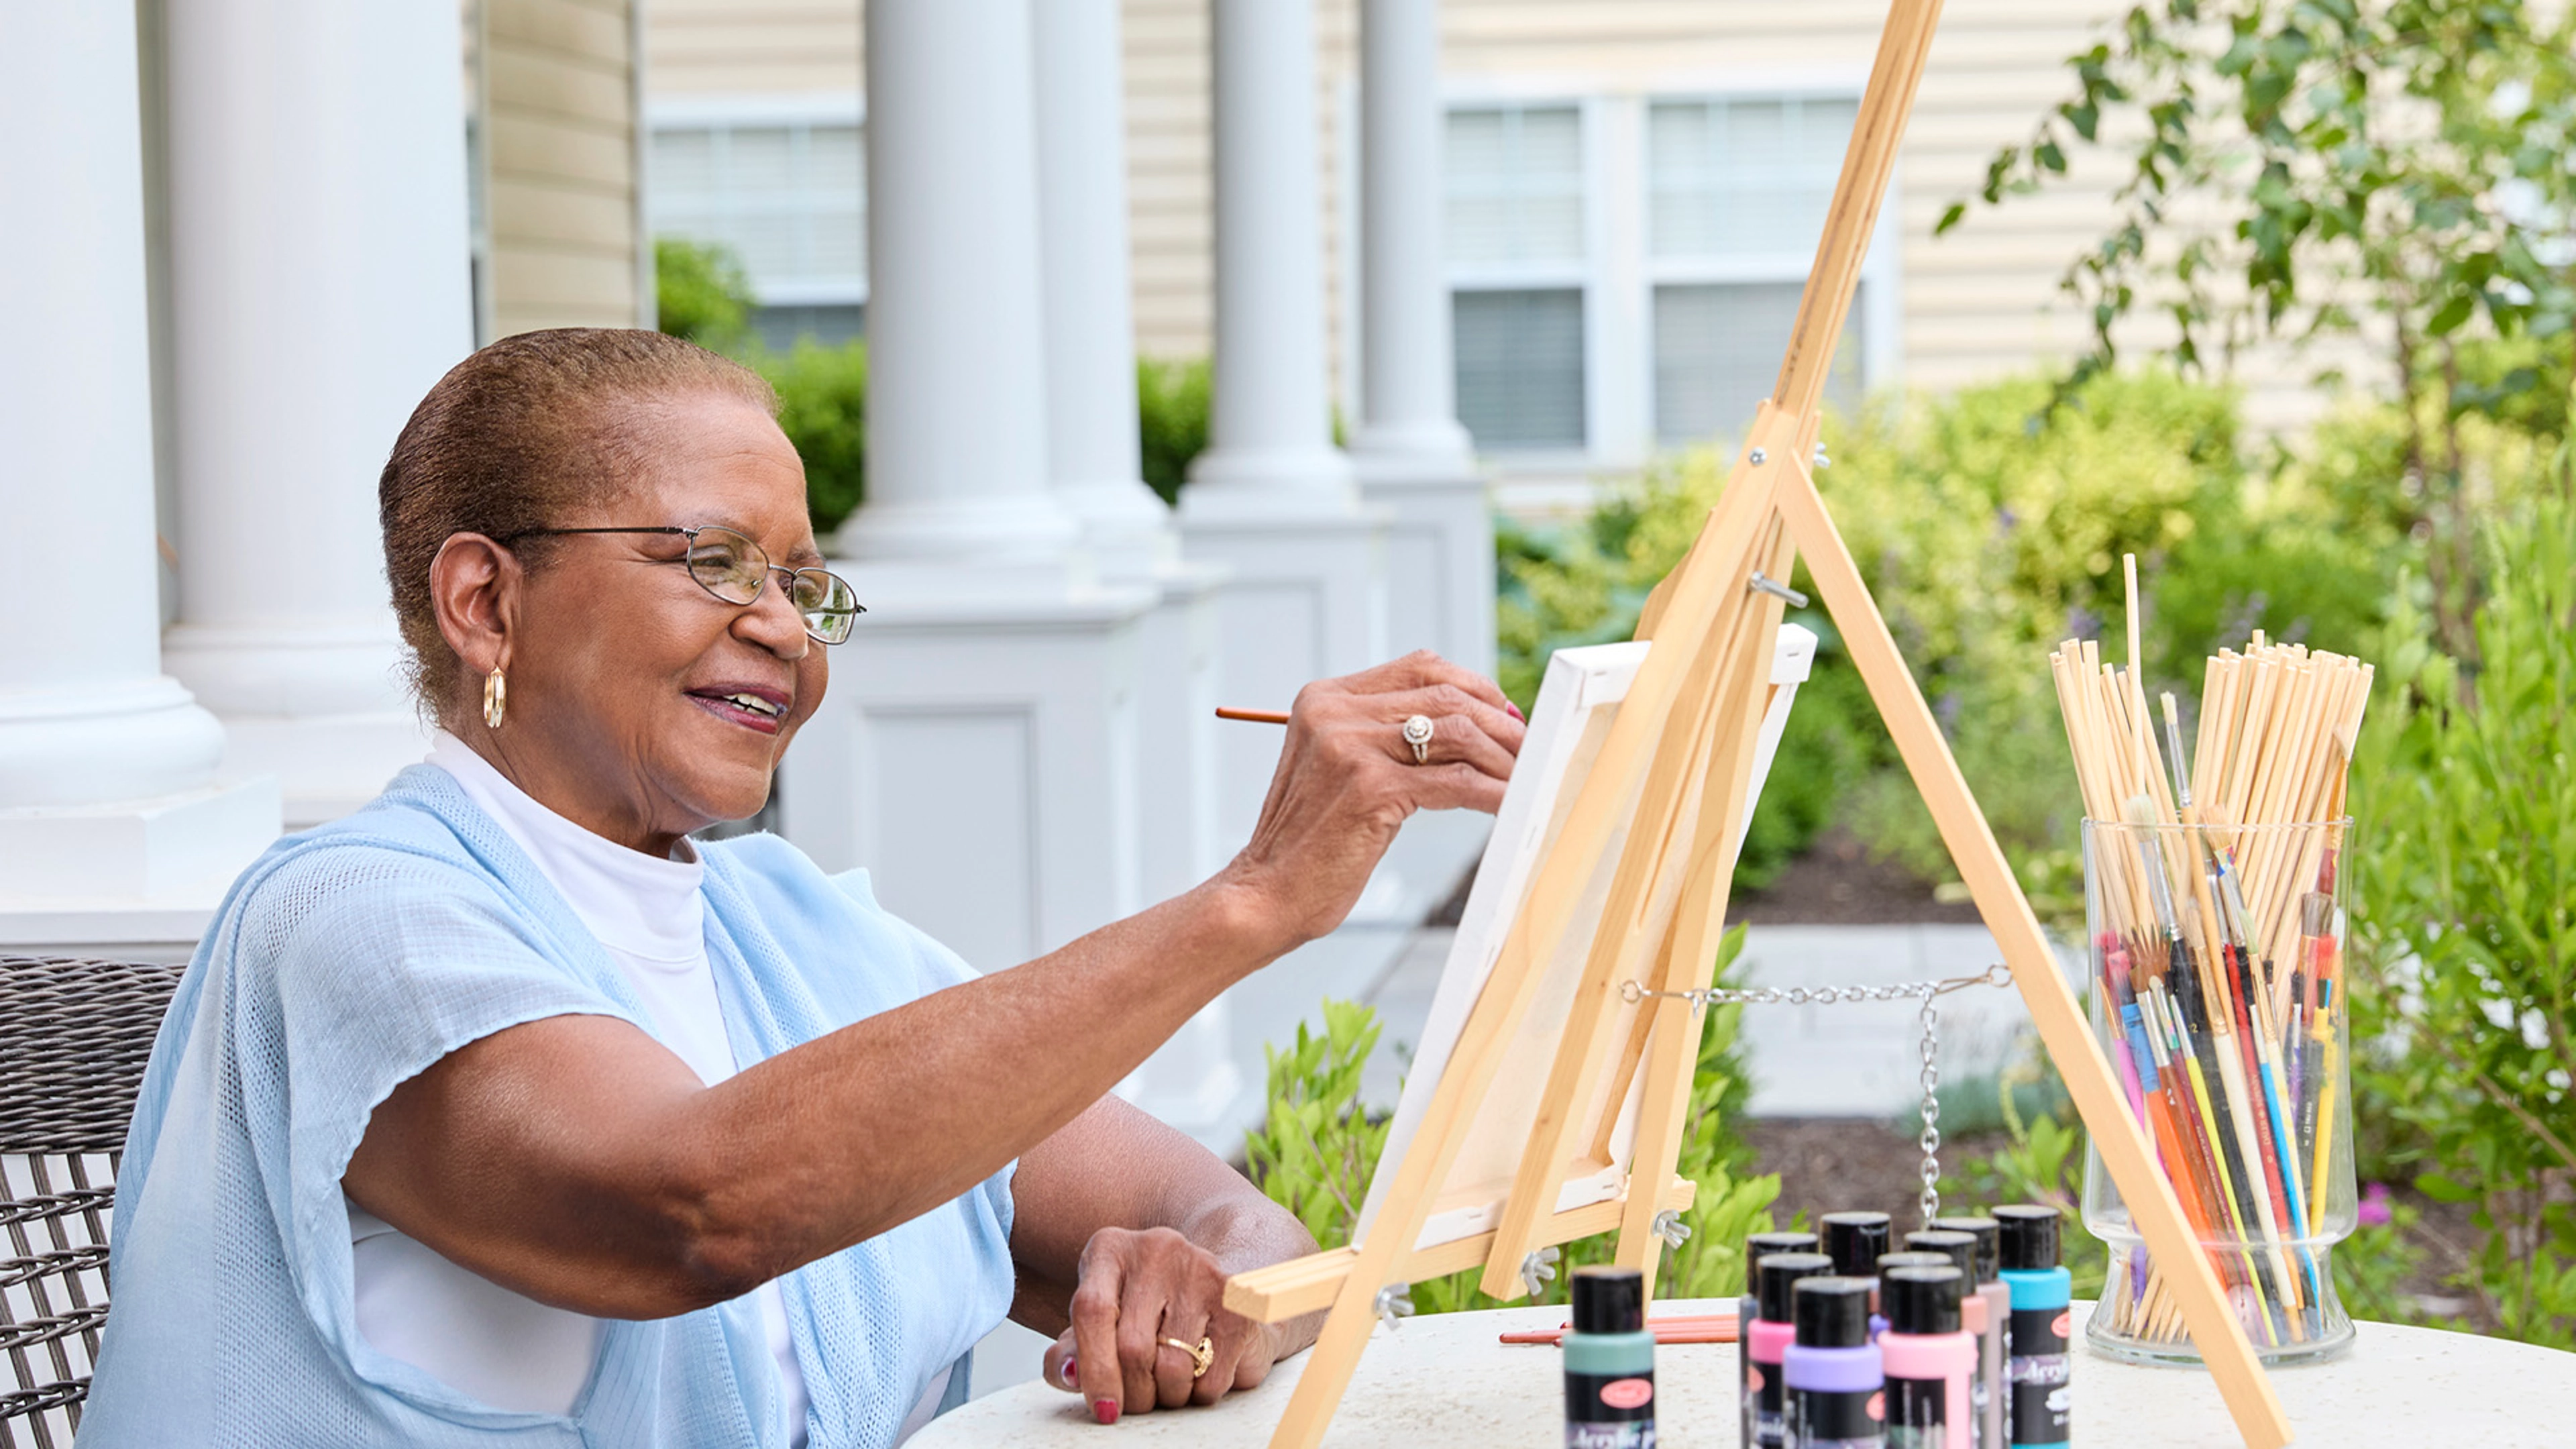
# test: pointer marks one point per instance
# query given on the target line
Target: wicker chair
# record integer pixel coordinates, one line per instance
(74, 1036)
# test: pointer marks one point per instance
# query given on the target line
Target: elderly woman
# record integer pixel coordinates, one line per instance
(502, 1111)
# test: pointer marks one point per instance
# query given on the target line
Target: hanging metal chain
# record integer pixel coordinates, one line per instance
(1928, 992)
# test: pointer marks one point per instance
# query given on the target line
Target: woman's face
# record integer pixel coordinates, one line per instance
(640, 705)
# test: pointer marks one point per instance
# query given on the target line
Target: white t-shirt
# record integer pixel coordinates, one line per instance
(466, 1331)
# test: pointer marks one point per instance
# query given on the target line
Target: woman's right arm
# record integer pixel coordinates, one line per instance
(576, 1160)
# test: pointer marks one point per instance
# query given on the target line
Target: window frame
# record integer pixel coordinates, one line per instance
(1619, 272)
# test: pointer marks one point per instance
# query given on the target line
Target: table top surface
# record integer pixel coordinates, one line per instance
(1445, 1381)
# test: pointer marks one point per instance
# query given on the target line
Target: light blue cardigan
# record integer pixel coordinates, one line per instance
(350, 957)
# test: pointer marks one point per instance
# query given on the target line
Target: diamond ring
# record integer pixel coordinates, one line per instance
(1417, 733)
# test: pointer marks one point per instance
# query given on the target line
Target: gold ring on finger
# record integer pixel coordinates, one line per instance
(1201, 1354)
(1417, 733)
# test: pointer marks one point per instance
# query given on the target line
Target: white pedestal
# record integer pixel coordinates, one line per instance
(135, 879)
(1439, 559)
(977, 752)
(1306, 601)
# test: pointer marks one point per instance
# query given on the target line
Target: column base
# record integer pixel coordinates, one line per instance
(1439, 557)
(977, 753)
(1306, 601)
(321, 707)
(1268, 483)
(138, 878)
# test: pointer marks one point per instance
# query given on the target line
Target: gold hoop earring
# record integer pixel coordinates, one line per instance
(496, 698)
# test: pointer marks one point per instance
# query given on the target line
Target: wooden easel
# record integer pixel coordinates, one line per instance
(1681, 748)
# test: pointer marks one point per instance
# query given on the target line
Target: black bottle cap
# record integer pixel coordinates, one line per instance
(1921, 1300)
(1758, 1246)
(1910, 1258)
(1987, 1232)
(1833, 1312)
(2029, 1238)
(1959, 1248)
(1777, 1277)
(1609, 1299)
(1854, 1240)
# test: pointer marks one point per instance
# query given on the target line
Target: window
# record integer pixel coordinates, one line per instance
(1737, 191)
(1624, 270)
(788, 195)
(1515, 233)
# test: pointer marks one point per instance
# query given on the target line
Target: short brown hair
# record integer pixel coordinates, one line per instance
(515, 438)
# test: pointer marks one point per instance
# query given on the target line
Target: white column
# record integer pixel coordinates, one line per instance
(1409, 451)
(978, 750)
(1270, 441)
(1272, 497)
(318, 287)
(957, 406)
(1193, 1081)
(106, 763)
(1090, 315)
(1410, 414)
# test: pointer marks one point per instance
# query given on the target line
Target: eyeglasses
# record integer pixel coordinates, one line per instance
(735, 569)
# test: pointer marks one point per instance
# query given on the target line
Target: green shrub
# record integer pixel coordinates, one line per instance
(1319, 1143)
(1172, 400)
(701, 292)
(823, 409)
(2464, 895)
(1989, 528)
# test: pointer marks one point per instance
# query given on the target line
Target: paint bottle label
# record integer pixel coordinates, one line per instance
(1918, 1414)
(1610, 1411)
(1770, 1405)
(1836, 1419)
(2039, 1375)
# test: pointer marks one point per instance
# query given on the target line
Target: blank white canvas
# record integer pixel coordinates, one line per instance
(1578, 699)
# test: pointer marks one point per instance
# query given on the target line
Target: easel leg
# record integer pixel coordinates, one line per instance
(2053, 1008)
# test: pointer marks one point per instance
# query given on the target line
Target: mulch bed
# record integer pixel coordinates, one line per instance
(1831, 1164)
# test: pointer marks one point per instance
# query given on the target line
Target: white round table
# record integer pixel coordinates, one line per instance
(1444, 1382)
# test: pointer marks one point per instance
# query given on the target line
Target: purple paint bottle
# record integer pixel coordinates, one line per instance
(1748, 1310)
(1766, 1342)
(1835, 1377)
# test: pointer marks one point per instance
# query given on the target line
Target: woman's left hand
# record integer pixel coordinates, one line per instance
(1140, 1292)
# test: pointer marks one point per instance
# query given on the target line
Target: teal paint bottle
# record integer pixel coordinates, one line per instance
(2040, 1396)
(1609, 1362)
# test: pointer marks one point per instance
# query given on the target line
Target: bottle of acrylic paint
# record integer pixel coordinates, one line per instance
(2036, 1413)
(1931, 1361)
(1609, 1362)
(1758, 1246)
(1987, 1313)
(1959, 1249)
(1854, 1240)
(1766, 1341)
(1835, 1377)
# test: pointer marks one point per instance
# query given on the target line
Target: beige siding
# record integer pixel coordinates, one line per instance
(559, 89)
(1977, 303)
(751, 47)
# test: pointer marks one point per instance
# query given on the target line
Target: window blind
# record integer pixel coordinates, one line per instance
(790, 200)
(1520, 366)
(1717, 355)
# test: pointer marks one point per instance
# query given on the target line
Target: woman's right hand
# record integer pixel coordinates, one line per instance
(1347, 780)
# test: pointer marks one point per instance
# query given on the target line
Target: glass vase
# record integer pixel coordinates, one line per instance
(2218, 991)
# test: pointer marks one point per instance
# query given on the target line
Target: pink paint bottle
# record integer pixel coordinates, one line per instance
(1931, 1361)
(1766, 1344)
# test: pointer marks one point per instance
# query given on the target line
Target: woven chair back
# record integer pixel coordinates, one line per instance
(74, 1036)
